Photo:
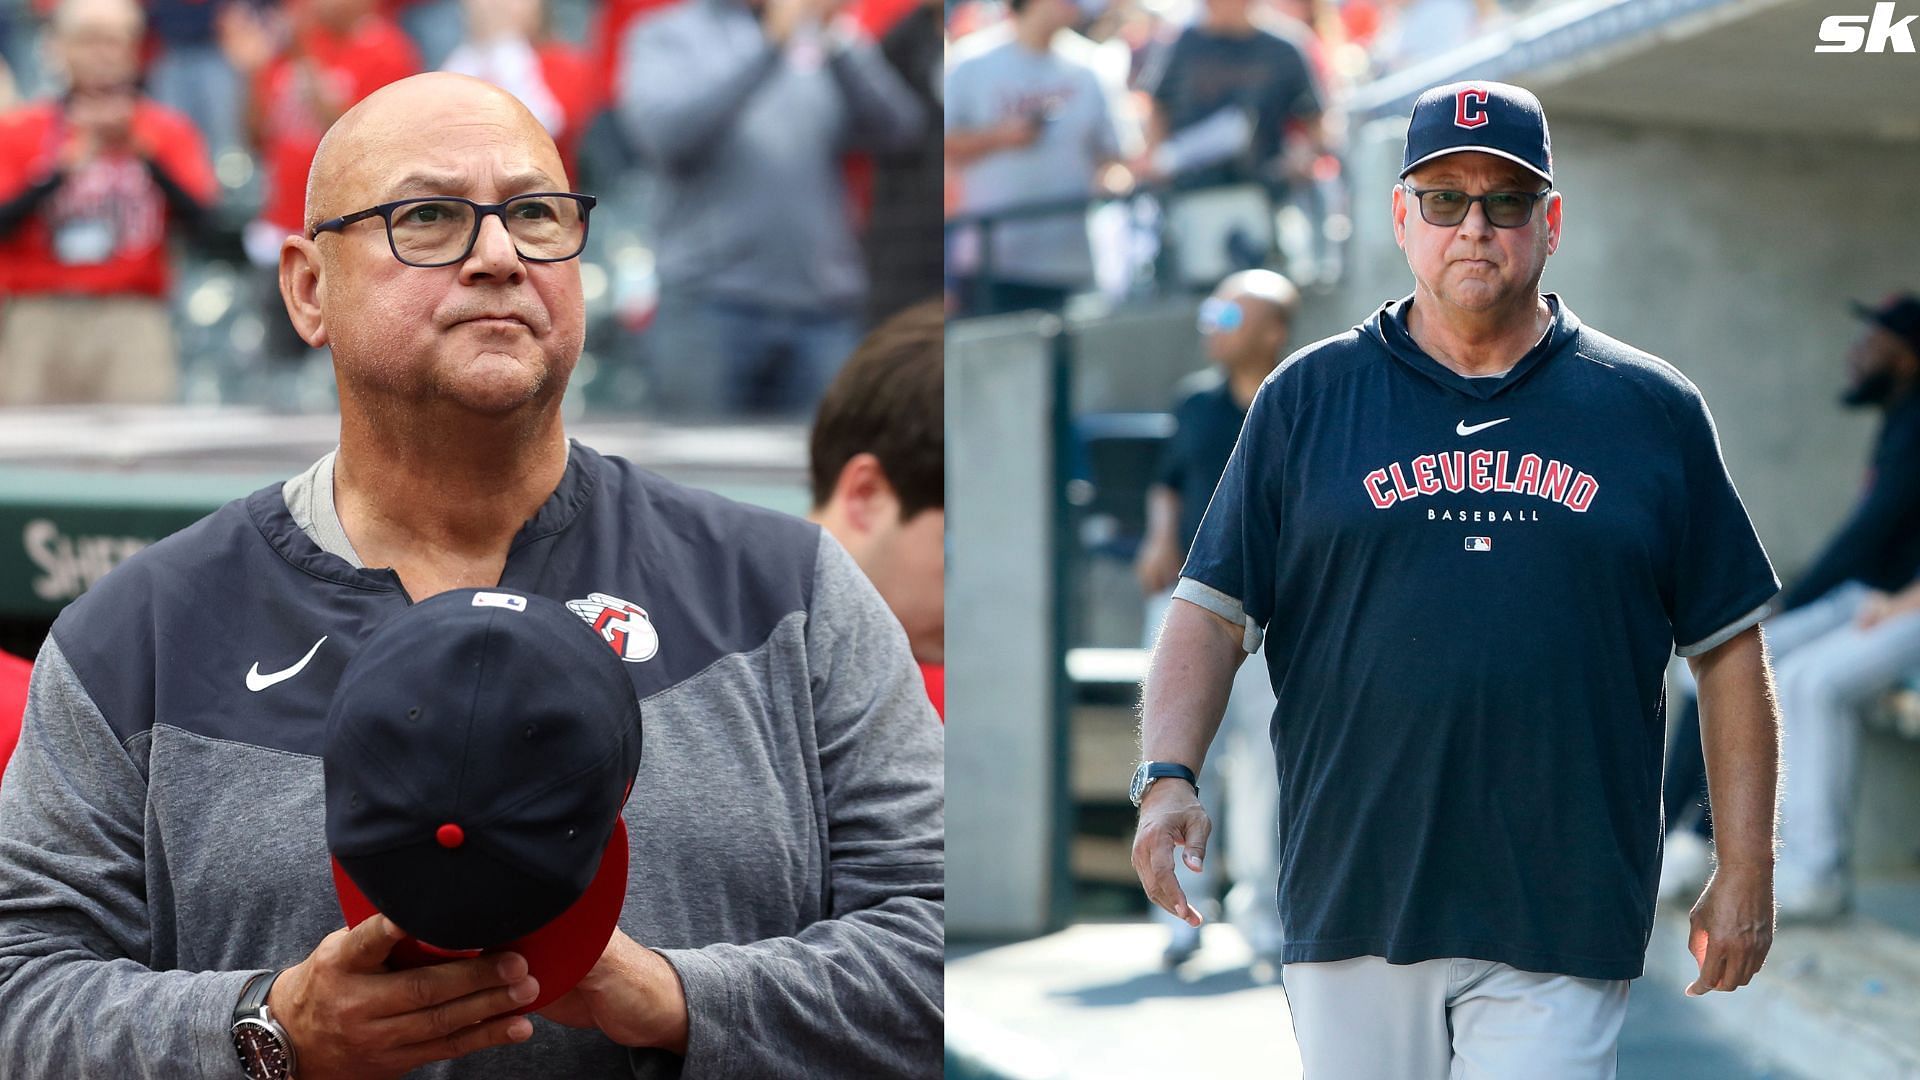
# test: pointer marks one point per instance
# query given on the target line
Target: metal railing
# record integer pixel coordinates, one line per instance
(1156, 268)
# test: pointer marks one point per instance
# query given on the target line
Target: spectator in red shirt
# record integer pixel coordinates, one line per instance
(506, 45)
(336, 53)
(91, 185)
(879, 475)
(14, 673)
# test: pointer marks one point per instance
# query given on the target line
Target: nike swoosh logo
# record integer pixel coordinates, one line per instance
(257, 682)
(1462, 428)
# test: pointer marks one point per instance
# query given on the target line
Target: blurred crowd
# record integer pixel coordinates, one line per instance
(1140, 147)
(765, 173)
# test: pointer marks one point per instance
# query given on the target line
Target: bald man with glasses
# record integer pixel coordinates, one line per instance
(165, 899)
(1471, 532)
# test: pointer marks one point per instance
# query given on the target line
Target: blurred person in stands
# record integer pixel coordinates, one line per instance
(906, 245)
(1029, 124)
(745, 109)
(506, 44)
(1235, 100)
(878, 469)
(14, 675)
(1245, 325)
(9, 88)
(435, 27)
(303, 73)
(18, 42)
(612, 22)
(190, 73)
(1416, 30)
(1846, 632)
(92, 183)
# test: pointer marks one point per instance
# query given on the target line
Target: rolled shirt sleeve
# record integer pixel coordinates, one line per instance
(1230, 570)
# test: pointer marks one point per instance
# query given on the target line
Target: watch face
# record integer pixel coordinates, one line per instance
(1139, 784)
(262, 1052)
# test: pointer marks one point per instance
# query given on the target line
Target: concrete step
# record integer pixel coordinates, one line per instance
(1839, 1000)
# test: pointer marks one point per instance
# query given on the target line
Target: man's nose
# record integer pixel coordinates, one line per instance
(493, 255)
(1476, 222)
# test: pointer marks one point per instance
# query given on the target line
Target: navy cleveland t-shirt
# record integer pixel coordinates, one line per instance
(1469, 590)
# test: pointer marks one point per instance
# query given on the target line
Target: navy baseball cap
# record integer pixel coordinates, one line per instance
(1488, 117)
(1898, 314)
(479, 750)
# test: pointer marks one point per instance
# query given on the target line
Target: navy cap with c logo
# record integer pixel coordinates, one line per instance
(1488, 117)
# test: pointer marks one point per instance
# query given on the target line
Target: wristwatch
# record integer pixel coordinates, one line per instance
(1149, 771)
(265, 1051)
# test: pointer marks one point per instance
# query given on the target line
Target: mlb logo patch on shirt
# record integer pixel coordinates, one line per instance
(1479, 543)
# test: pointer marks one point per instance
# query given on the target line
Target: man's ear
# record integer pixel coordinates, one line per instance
(866, 499)
(1400, 215)
(301, 288)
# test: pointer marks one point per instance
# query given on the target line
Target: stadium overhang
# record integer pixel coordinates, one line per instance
(1724, 65)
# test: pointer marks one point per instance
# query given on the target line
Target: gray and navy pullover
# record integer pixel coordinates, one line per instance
(161, 825)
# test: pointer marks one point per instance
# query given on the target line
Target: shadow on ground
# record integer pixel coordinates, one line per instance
(1160, 984)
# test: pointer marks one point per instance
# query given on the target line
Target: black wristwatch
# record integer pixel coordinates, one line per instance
(265, 1051)
(1149, 771)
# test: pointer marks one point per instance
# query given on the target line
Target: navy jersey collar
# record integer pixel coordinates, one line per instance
(1388, 328)
(268, 510)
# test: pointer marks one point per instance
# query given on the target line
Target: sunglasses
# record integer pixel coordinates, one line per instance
(1505, 209)
(1220, 317)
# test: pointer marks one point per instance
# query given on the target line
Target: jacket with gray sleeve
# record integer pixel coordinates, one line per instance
(161, 825)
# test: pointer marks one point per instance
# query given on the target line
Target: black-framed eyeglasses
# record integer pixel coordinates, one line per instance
(440, 230)
(1505, 209)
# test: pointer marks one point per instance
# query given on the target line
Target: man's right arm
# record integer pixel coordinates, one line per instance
(1181, 706)
(1221, 606)
(76, 996)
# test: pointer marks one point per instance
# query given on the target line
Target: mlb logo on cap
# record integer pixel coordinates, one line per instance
(479, 750)
(1479, 543)
(1487, 117)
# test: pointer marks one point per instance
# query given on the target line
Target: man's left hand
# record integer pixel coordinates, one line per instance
(632, 995)
(1732, 928)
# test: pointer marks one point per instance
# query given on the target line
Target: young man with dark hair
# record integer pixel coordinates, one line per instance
(879, 474)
